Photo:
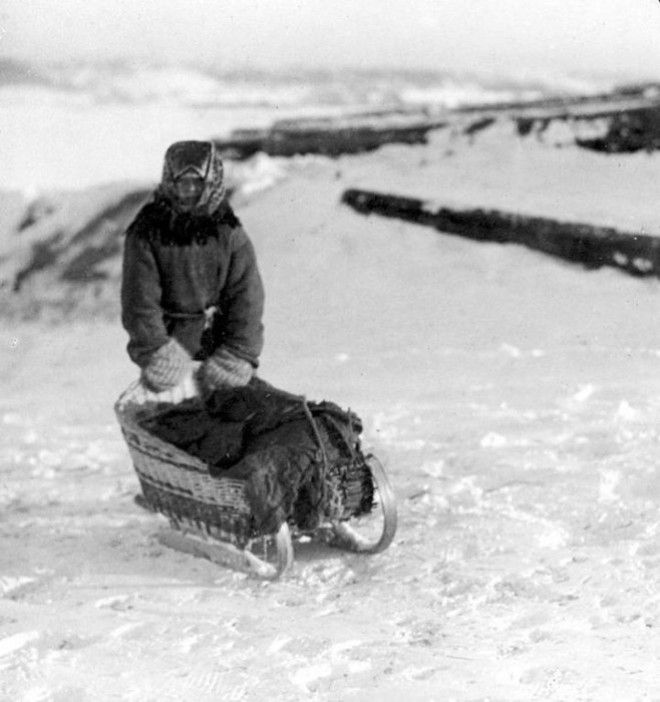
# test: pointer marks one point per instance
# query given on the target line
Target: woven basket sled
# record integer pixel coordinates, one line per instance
(209, 515)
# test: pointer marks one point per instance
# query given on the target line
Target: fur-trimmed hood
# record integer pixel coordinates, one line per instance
(159, 221)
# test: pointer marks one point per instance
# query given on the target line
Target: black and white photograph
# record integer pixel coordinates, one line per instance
(329, 351)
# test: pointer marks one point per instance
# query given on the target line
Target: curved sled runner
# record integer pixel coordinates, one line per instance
(374, 532)
(209, 515)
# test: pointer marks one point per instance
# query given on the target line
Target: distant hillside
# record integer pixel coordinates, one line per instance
(13, 72)
(64, 253)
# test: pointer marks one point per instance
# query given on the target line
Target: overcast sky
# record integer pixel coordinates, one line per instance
(620, 36)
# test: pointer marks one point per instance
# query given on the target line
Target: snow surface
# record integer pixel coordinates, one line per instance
(514, 398)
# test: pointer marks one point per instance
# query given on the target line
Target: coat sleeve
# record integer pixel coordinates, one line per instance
(141, 310)
(242, 301)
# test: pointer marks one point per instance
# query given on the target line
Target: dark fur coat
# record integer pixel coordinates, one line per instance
(176, 266)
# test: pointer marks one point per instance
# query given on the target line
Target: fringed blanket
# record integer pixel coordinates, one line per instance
(300, 461)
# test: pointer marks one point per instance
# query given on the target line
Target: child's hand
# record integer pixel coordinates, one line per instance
(224, 370)
(167, 367)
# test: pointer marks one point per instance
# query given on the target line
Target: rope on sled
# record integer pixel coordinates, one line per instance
(325, 469)
(332, 487)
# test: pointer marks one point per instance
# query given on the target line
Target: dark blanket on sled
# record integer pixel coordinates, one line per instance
(297, 458)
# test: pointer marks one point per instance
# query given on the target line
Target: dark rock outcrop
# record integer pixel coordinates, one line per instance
(631, 116)
(330, 136)
(631, 121)
(627, 132)
(79, 255)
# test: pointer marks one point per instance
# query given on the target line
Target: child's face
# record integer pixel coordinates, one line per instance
(188, 189)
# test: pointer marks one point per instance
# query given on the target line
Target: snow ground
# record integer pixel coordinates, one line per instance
(514, 399)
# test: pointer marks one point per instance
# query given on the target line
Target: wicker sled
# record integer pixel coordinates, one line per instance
(209, 515)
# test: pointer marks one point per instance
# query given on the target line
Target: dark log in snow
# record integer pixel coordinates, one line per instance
(592, 246)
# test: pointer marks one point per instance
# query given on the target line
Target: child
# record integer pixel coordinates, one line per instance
(191, 289)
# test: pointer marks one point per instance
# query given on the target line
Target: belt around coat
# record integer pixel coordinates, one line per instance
(208, 315)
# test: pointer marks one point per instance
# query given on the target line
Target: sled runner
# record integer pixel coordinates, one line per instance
(210, 515)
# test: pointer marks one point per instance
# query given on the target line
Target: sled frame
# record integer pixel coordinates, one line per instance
(198, 544)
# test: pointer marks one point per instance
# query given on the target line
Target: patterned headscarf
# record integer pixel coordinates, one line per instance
(202, 159)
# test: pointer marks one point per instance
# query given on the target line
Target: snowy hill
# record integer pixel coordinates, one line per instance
(514, 399)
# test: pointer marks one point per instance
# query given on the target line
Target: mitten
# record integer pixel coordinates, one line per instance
(223, 369)
(167, 367)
